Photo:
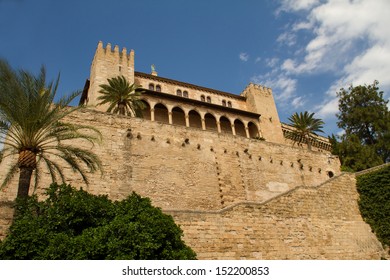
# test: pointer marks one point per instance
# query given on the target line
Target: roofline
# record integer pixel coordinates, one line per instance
(184, 84)
(200, 103)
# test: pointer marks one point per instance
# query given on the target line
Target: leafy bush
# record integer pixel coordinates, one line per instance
(374, 202)
(74, 224)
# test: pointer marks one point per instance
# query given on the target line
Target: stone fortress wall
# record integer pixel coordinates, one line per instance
(234, 197)
(225, 171)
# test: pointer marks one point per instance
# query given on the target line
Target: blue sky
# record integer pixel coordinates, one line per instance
(305, 50)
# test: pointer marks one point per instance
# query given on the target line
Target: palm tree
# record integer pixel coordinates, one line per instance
(122, 97)
(305, 126)
(32, 127)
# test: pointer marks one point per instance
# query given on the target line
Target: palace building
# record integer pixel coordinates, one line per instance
(250, 114)
(223, 165)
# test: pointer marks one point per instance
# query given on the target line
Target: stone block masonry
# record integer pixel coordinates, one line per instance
(234, 197)
(321, 222)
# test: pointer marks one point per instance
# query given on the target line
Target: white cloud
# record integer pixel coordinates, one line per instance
(244, 56)
(350, 39)
(343, 31)
(328, 108)
(296, 5)
(287, 38)
(283, 87)
(272, 62)
(298, 102)
(373, 64)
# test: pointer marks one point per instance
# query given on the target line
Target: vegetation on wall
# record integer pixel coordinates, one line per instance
(74, 224)
(374, 202)
(365, 120)
(122, 97)
(306, 126)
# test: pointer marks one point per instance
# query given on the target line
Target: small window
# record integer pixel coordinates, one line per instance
(151, 86)
(185, 93)
(202, 98)
(178, 92)
(158, 88)
(208, 99)
(229, 104)
(224, 103)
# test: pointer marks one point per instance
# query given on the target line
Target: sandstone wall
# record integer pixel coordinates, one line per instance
(234, 197)
(6, 214)
(306, 223)
(187, 168)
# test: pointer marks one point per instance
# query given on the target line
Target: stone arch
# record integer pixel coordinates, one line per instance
(253, 130)
(240, 128)
(226, 126)
(211, 122)
(161, 113)
(146, 110)
(195, 119)
(178, 116)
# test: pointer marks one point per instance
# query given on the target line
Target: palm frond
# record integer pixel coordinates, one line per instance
(31, 120)
(305, 126)
(122, 97)
(10, 174)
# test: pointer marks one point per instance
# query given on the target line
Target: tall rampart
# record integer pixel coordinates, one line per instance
(187, 168)
(196, 175)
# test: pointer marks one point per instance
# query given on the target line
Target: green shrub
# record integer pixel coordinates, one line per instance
(374, 202)
(74, 224)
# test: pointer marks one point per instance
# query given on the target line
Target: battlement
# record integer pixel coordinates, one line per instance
(108, 53)
(259, 88)
(108, 63)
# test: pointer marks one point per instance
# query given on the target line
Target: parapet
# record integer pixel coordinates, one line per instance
(256, 87)
(107, 52)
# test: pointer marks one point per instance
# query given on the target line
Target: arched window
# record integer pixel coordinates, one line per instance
(253, 131)
(226, 126)
(240, 128)
(224, 103)
(151, 86)
(185, 93)
(208, 99)
(229, 104)
(161, 113)
(211, 122)
(178, 93)
(158, 88)
(195, 119)
(178, 116)
(202, 98)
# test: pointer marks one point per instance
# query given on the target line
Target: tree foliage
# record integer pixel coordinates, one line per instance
(32, 126)
(121, 96)
(305, 126)
(74, 224)
(365, 119)
(374, 202)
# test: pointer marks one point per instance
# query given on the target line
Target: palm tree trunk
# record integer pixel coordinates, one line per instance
(27, 163)
(122, 109)
(308, 142)
(24, 181)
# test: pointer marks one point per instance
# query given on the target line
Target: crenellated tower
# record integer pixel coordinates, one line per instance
(108, 63)
(259, 99)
